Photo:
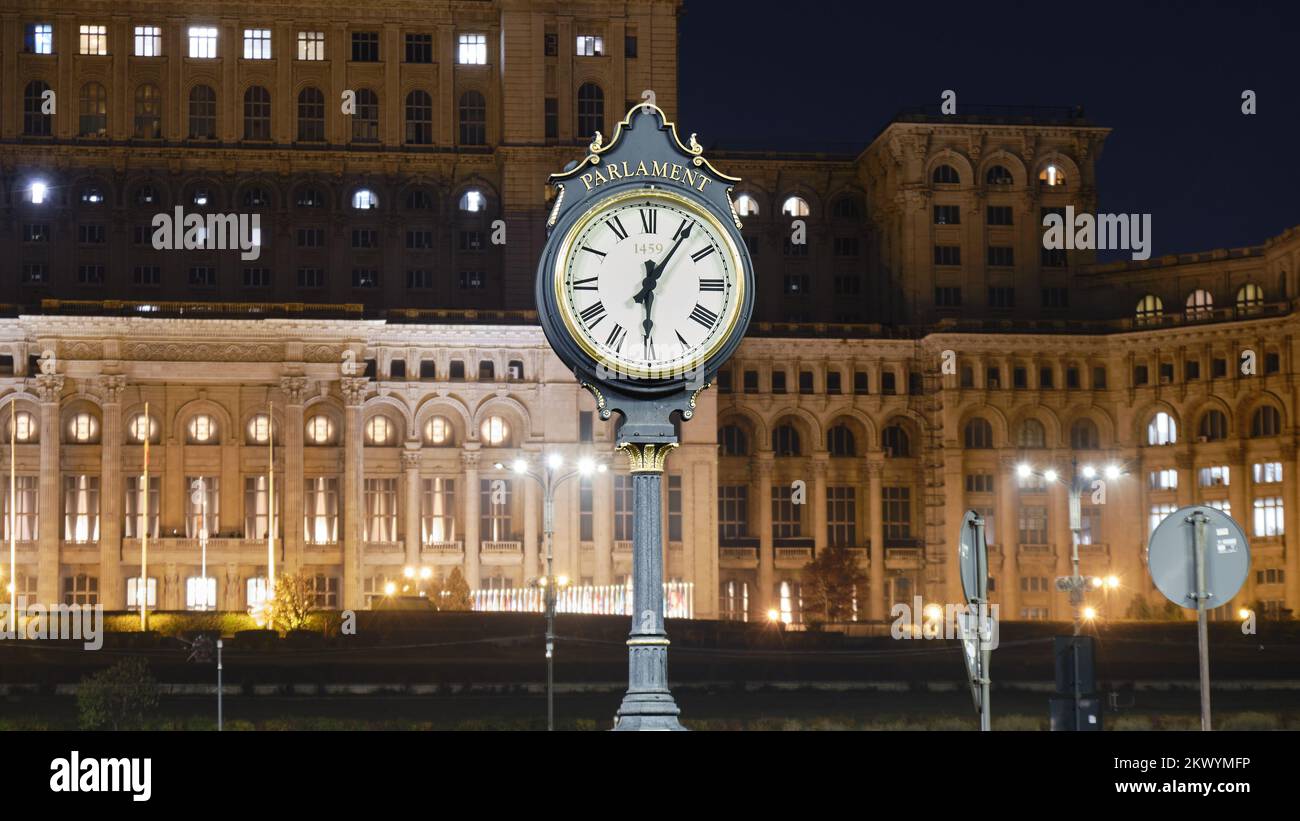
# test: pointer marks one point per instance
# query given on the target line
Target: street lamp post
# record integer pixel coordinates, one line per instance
(551, 476)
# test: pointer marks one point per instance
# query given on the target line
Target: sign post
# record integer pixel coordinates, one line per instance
(1198, 558)
(975, 626)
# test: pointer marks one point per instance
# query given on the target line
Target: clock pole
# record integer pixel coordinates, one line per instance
(648, 704)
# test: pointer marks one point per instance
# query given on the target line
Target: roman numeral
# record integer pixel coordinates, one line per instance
(600, 254)
(581, 284)
(711, 285)
(704, 316)
(649, 221)
(616, 337)
(617, 227)
(702, 253)
(684, 230)
(593, 314)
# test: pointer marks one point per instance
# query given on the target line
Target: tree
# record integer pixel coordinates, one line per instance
(292, 605)
(830, 583)
(119, 697)
(454, 594)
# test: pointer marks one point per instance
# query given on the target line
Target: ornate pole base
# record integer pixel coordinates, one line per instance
(648, 704)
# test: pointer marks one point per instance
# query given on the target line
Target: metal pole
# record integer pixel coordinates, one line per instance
(1202, 630)
(982, 609)
(219, 693)
(13, 509)
(548, 526)
(142, 588)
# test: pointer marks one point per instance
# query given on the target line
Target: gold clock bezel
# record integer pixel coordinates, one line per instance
(571, 322)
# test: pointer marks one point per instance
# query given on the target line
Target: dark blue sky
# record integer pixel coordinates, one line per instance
(1166, 77)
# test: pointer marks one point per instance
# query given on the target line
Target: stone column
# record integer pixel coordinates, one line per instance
(763, 464)
(49, 388)
(1007, 533)
(469, 460)
(819, 534)
(354, 395)
(411, 503)
(1291, 510)
(1059, 535)
(953, 513)
(877, 607)
(531, 516)
(112, 590)
(602, 525)
(294, 389)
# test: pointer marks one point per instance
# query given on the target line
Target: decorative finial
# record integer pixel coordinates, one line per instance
(695, 146)
(596, 142)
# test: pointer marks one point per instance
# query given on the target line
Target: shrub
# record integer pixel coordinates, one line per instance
(119, 697)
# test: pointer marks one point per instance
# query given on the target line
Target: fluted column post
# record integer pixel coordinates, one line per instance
(819, 534)
(1007, 532)
(294, 389)
(112, 591)
(411, 503)
(354, 395)
(469, 460)
(877, 606)
(49, 387)
(763, 464)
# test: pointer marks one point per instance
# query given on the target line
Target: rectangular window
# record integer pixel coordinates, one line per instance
(947, 296)
(1266, 472)
(590, 46)
(1056, 298)
(81, 508)
(1268, 517)
(888, 383)
(148, 41)
(40, 38)
(630, 46)
(586, 426)
(551, 113)
(733, 512)
(1001, 255)
(365, 278)
(494, 510)
(380, 524)
(586, 510)
(1033, 524)
(257, 44)
(947, 215)
(674, 508)
(419, 48)
(203, 42)
(1002, 297)
(200, 593)
(778, 381)
(551, 44)
(81, 589)
(1166, 479)
(419, 278)
(979, 483)
(133, 524)
(257, 277)
(846, 246)
(1052, 258)
(36, 232)
(787, 521)
(320, 509)
(1215, 476)
(134, 587)
(841, 516)
(1192, 370)
(947, 255)
(750, 380)
(202, 506)
(90, 234)
(622, 508)
(311, 277)
(896, 512)
(805, 382)
(1158, 514)
(1090, 524)
(203, 276)
(27, 504)
(94, 40)
(472, 280)
(860, 383)
(311, 45)
(365, 46)
(999, 215)
(1099, 377)
(437, 510)
(471, 50)
(833, 382)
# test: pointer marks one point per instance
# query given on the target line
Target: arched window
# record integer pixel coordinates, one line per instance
(36, 123)
(591, 110)
(1084, 436)
(945, 175)
(365, 122)
(257, 114)
(746, 206)
(795, 207)
(1032, 434)
(1149, 309)
(23, 428)
(1213, 427)
(495, 431)
(473, 118)
(259, 429)
(94, 111)
(472, 201)
(1266, 421)
(319, 430)
(785, 441)
(1051, 176)
(846, 207)
(1200, 304)
(140, 427)
(202, 430)
(418, 199)
(311, 115)
(255, 196)
(419, 118)
(363, 199)
(1250, 298)
(148, 112)
(203, 113)
(999, 175)
(145, 195)
(979, 434)
(733, 441)
(92, 195)
(437, 431)
(309, 197)
(380, 431)
(839, 441)
(1162, 430)
(83, 428)
(895, 442)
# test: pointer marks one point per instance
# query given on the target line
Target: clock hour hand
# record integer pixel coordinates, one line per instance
(648, 324)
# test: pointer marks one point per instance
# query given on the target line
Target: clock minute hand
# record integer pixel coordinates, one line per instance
(652, 275)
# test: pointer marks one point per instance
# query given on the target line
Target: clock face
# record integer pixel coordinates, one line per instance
(649, 284)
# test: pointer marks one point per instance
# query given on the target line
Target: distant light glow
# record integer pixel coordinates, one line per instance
(1049, 475)
(1112, 582)
(520, 466)
(1024, 471)
(586, 466)
(39, 190)
(1089, 471)
(1112, 472)
(1089, 613)
(555, 461)
(773, 615)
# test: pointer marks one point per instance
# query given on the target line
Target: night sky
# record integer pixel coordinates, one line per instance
(1166, 77)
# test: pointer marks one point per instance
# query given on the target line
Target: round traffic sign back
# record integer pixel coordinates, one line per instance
(1171, 556)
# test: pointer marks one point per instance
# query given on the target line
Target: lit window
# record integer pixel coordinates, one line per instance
(41, 38)
(200, 593)
(257, 593)
(320, 430)
(83, 427)
(1149, 308)
(1216, 476)
(1250, 297)
(203, 429)
(141, 426)
(1166, 479)
(38, 191)
(590, 46)
(200, 196)
(1160, 512)
(203, 42)
(1051, 176)
(437, 431)
(259, 429)
(494, 430)
(1200, 304)
(795, 207)
(24, 427)
(1162, 430)
(746, 206)
(133, 586)
(257, 44)
(472, 50)
(379, 431)
(311, 45)
(148, 41)
(1267, 473)
(92, 196)
(1268, 517)
(364, 200)
(473, 201)
(94, 40)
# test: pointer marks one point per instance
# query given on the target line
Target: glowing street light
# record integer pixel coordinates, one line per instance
(1089, 613)
(39, 190)
(1112, 582)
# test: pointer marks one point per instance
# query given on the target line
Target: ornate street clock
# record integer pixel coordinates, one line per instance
(644, 289)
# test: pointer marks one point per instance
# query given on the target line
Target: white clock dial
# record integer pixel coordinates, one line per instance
(650, 284)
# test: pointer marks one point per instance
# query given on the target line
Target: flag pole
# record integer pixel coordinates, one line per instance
(142, 588)
(13, 521)
(270, 508)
